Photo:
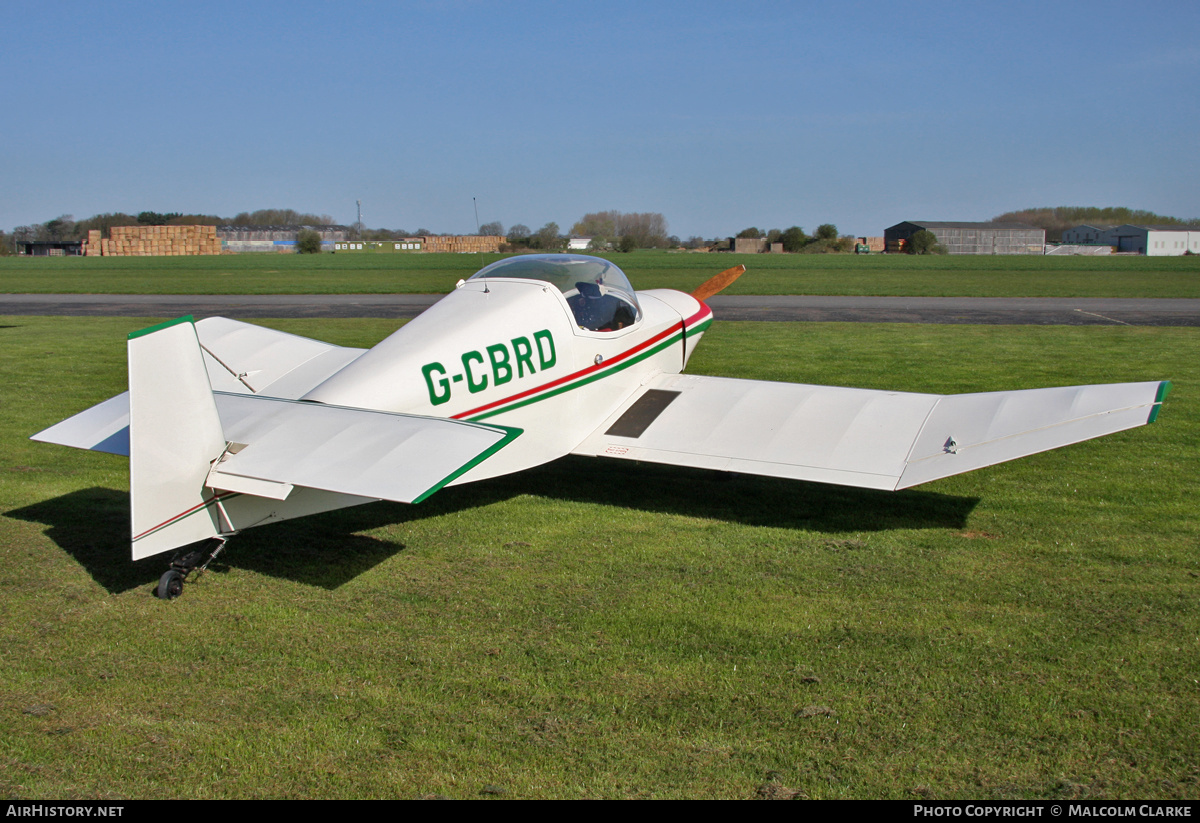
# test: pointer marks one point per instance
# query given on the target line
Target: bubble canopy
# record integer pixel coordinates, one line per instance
(597, 291)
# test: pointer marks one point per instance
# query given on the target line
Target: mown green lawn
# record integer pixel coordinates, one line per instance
(999, 276)
(596, 629)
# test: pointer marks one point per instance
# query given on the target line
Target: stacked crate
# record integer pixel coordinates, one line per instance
(154, 241)
(469, 244)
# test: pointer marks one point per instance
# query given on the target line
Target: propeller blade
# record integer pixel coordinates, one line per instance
(717, 283)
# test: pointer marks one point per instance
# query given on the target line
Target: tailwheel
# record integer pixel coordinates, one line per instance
(170, 585)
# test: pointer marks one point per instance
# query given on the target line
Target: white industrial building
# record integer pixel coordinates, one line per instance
(1152, 241)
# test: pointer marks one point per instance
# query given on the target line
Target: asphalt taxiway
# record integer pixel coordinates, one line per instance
(1069, 311)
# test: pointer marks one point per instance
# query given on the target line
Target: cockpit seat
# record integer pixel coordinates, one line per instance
(596, 311)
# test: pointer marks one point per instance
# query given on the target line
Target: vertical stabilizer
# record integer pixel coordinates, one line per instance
(174, 435)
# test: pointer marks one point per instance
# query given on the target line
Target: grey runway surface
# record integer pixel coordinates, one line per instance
(983, 310)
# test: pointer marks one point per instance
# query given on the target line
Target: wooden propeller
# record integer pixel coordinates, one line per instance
(717, 283)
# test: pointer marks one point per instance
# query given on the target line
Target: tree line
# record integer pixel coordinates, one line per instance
(619, 231)
(795, 240)
(606, 230)
(609, 230)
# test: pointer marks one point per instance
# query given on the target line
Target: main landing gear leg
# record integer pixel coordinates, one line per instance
(170, 585)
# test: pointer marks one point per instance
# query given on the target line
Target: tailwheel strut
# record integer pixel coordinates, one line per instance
(170, 585)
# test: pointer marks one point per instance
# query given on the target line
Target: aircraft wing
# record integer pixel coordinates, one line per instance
(857, 437)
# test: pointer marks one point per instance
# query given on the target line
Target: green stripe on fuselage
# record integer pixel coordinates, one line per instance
(584, 381)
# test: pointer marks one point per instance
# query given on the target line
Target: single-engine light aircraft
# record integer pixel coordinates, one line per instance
(229, 425)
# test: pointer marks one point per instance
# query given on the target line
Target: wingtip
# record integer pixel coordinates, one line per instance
(1164, 388)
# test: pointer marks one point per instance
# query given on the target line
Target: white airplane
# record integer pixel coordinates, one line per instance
(229, 425)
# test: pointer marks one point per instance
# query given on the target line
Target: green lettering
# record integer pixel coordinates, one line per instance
(546, 354)
(523, 354)
(471, 384)
(436, 397)
(501, 371)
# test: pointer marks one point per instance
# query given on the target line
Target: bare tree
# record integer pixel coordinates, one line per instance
(644, 230)
(648, 229)
(597, 224)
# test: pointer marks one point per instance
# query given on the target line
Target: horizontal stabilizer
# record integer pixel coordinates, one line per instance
(238, 357)
(352, 451)
(857, 437)
(276, 444)
(102, 428)
(243, 357)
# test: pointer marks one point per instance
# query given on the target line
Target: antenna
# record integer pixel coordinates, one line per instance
(359, 204)
(476, 204)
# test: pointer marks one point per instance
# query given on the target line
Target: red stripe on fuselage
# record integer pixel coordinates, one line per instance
(704, 313)
(701, 315)
(185, 513)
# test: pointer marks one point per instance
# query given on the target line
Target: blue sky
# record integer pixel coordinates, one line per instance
(719, 115)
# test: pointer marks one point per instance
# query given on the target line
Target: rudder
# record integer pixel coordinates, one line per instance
(174, 435)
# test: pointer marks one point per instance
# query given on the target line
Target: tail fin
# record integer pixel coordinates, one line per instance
(174, 435)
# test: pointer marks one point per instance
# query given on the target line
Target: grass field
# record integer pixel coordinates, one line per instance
(1007, 276)
(595, 629)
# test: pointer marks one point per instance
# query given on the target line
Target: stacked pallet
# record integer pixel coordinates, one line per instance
(153, 241)
(469, 244)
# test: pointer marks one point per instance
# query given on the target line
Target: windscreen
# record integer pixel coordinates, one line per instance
(597, 291)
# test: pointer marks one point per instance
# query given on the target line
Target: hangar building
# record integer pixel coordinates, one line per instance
(971, 238)
(1152, 241)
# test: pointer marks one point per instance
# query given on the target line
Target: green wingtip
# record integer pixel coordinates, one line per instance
(159, 326)
(1164, 388)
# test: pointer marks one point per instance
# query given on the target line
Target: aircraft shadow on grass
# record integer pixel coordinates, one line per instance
(328, 550)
